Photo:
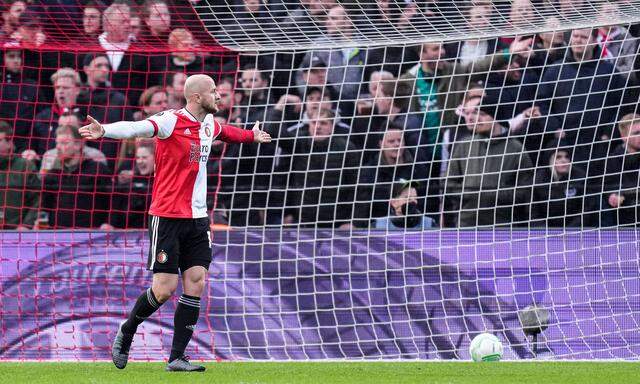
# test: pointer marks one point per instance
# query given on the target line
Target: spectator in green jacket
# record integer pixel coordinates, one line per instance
(19, 185)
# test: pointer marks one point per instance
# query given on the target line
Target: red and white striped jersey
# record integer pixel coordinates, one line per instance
(182, 151)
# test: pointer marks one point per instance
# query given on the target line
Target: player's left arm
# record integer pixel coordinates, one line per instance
(231, 134)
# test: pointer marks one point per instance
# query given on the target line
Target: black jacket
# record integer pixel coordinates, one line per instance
(623, 178)
(131, 202)
(583, 99)
(18, 100)
(77, 198)
(322, 183)
(567, 202)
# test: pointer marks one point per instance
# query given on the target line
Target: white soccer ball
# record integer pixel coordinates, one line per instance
(485, 347)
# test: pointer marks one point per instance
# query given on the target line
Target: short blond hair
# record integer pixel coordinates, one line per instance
(624, 125)
(66, 72)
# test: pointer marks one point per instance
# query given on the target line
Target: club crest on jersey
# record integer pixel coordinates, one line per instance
(162, 257)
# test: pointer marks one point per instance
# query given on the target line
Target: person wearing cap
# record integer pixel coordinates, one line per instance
(562, 196)
(621, 187)
(313, 73)
(489, 176)
(404, 213)
(346, 67)
(18, 96)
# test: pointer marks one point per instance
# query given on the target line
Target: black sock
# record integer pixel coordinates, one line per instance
(185, 321)
(144, 307)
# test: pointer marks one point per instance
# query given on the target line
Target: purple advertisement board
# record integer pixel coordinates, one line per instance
(298, 295)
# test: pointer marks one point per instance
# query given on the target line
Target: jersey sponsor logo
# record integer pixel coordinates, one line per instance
(198, 153)
(162, 257)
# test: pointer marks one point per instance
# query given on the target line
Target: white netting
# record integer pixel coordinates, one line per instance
(268, 25)
(423, 188)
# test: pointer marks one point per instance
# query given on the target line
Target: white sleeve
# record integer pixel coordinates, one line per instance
(128, 129)
(163, 123)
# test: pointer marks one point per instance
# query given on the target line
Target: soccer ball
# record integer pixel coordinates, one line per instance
(485, 347)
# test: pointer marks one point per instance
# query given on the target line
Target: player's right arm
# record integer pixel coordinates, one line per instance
(160, 125)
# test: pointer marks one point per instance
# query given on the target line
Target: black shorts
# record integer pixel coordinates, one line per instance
(178, 244)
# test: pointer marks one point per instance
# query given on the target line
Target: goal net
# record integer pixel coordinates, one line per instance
(439, 169)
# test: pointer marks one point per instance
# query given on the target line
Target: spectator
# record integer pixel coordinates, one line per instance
(255, 95)
(11, 18)
(489, 176)
(439, 86)
(105, 104)
(251, 18)
(391, 109)
(183, 56)
(75, 194)
(40, 64)
(153, 100)
(51, 156)
(91, 20)
(18, 97)
(19, 183)
(516, 89)
(621, 185)
(479, 20)
(364, 105)
(132, 192)
(308, 17)
(290, 117)
(548, 47)
(29, 33)
(175, 90)
(562, 196)
(346, 67)
(617, 45)
(225, 90)
(391, 162)
(323, 177)
(403, 210)
(580, 97)
(130, 73)
(157, 23)
(522, 14)
(314, 74)
(66, 84)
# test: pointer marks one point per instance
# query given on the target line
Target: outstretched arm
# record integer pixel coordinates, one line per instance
(120, 130)
(231, 134)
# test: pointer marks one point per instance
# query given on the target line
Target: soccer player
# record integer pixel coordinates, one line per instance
(179, 225)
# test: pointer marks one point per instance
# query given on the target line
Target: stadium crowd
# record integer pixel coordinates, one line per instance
(538, 130)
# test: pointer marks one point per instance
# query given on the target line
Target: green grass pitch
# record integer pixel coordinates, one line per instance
(329, 373)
